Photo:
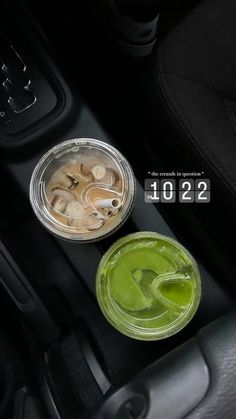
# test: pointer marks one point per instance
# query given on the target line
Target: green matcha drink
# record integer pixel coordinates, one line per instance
(148, 286)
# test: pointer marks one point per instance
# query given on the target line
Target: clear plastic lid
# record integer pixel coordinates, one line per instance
(148, 286)
(82, 189)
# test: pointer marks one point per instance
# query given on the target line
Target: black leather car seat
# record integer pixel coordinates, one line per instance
(195, 381)
(191, 88)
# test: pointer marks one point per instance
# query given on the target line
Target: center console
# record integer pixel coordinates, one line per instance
(39, 110)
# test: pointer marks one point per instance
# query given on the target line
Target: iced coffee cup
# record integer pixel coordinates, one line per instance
(148, 286)
(82, 190)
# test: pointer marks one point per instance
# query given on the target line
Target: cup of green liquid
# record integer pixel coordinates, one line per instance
(148, 286)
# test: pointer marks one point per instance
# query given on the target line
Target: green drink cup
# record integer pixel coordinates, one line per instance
(148, 286)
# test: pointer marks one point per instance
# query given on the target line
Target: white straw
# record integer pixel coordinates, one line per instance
(108, 203)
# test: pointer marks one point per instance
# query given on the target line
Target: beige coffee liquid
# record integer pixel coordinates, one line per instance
(86, 193)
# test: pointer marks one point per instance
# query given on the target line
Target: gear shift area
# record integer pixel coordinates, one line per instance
(33, 95)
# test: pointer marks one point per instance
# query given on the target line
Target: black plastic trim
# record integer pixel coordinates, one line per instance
(67, 106)
(27, 301)
(172, 387)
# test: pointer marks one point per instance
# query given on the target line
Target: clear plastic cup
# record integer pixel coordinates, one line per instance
(148, 286)
(82, 190)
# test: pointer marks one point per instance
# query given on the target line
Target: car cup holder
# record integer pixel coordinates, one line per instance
(148, 285)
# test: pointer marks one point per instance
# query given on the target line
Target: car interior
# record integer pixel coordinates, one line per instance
(155, 79)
